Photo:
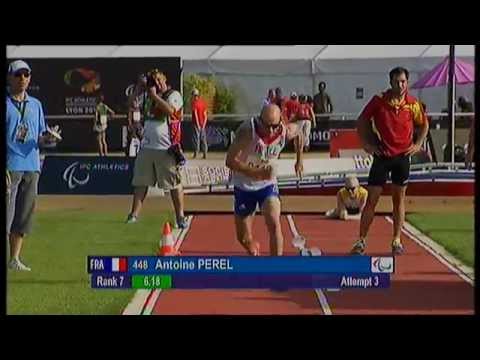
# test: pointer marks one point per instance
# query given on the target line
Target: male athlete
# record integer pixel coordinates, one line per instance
(251, 158)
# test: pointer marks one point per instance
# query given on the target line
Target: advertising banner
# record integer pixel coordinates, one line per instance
(73, 175)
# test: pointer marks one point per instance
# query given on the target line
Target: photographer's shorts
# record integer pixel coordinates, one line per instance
(21, 201)
(154, 167)
(382, 167)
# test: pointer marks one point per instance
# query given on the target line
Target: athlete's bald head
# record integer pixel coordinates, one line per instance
(271, 117)
(271, 114)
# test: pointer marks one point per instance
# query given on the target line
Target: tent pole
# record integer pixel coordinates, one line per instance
(451, 104)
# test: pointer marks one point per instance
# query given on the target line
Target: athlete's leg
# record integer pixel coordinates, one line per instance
(245, 207)
(243, 225)
(271, 210)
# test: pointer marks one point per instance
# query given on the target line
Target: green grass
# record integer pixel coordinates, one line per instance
(57, 252)
(454, 231)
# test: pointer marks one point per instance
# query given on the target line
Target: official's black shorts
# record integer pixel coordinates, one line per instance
(382, 167)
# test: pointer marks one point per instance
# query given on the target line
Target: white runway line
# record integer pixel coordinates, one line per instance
(142, 296)
(322, 299)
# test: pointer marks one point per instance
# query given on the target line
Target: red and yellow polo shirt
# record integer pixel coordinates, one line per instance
(393, 121)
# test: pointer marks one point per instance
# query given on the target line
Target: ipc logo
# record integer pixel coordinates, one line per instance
(382, 265)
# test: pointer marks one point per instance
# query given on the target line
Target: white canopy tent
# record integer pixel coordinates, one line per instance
(257, 52)
(252, 70)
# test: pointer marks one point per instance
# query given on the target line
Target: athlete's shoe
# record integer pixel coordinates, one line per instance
(17, 265)
(397, 249)
(358, 248)
(182, 223)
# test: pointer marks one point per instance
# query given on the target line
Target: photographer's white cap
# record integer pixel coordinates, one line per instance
(195, 92)
(18, 65)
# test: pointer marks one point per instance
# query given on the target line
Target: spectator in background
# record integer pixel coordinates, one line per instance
(304, 116)
(199, 120)
(291, 106)
(351, 200)
(175, 124)
(471, 145)
(270, 98)
(25, 129)
(135, 116)
(100, 124)
(280, 101)
(322, 102)
(465, 105)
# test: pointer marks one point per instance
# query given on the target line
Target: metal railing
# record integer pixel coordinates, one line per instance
(342, 116)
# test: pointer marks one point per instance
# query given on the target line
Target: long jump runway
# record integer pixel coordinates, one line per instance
(421, 283)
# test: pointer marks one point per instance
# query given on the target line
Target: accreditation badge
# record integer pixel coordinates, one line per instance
(21, 133)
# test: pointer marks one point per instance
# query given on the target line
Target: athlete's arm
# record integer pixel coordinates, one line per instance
(294, 132)
(164, 106)
(242, 140)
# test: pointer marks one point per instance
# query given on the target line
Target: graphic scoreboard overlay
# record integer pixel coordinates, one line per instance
(325, 272)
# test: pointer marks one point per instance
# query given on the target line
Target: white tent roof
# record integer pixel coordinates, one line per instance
(257, 52)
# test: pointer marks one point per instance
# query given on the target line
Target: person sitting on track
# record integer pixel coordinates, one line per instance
(251, 157)
(351, 200)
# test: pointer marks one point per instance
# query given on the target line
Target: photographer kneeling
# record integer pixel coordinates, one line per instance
(158, 161)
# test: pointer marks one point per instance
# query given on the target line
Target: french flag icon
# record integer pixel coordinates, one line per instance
(119, 264)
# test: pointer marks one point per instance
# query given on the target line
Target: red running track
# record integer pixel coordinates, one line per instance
(421, 285)
(214, 235)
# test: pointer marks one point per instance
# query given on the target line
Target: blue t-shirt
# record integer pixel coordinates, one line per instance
(24, 156)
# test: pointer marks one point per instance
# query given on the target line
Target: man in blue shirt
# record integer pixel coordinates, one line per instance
(25, 128)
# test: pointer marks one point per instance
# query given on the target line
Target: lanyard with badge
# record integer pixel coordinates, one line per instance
(21, 133)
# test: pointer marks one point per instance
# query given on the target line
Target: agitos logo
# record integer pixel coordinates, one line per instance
(86, 80)
(382, 265)
(73, 181)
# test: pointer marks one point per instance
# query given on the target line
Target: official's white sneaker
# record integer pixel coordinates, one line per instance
(17, 265)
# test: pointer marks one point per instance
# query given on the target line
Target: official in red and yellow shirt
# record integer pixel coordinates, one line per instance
(393, 121)
(386, 128)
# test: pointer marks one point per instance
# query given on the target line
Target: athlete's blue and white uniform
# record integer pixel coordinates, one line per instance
(249, 192)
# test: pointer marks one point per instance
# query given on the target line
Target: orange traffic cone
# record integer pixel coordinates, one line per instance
(167, 247)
